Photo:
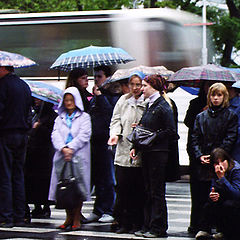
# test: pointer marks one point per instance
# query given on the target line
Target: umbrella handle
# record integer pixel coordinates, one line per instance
(59, 73)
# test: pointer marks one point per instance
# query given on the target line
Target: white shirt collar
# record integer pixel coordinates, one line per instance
(153, 98)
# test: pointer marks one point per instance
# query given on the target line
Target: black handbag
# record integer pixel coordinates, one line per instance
(67, 193)
(142, 137)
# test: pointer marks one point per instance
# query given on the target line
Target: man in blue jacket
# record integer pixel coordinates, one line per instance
(101, 108)
(15, 107)
(223, 208)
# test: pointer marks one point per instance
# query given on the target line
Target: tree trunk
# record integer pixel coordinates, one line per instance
(227, 52)
(153, 3)
(233, 10)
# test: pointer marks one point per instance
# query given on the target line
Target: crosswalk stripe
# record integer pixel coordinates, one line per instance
(113, 235)
(28, 229)
(179, 208)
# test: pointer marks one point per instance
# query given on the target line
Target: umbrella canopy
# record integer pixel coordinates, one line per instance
(45, 92)
(236, 84)
(126, 73)
(193, 76)
(91, 56)
(15, 60)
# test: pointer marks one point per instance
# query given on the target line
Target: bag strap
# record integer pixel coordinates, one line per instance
(64, 167)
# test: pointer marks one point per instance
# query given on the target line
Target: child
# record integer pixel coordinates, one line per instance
(71, 138)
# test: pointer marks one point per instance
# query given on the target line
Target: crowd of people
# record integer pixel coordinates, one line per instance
(91, 132)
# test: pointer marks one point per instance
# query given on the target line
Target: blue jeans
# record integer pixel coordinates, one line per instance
(103, 178)
(12, 194)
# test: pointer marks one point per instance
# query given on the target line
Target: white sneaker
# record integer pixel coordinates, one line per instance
(106, 218)
(92, 218)
(202, 235)
(218, 236)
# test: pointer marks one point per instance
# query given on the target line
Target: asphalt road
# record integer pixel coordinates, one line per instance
(178, 202)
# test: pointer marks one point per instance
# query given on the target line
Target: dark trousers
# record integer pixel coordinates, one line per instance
(12, 194)
(224, 215)
(103, 178)
(130, 197)
(199, 195)
(154, 174)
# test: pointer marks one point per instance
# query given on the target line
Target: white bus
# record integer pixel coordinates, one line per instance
(152, 36)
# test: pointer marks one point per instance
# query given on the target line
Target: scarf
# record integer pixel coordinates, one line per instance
(69, 124)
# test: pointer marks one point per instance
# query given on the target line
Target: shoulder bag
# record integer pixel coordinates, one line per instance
(67, 193)
(142, 137)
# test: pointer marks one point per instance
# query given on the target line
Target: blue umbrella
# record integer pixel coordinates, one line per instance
(45, 92)
(15, 60)
(191, 90)
(91, 56)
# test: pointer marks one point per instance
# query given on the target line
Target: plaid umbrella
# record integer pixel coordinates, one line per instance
(126, 73)
(91, 56)
(193, 76)
(15, 60)
(45, 92)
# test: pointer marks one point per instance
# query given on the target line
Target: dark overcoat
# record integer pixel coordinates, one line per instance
(39, 157)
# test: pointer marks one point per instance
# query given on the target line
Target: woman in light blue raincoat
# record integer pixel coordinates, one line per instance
(71, 139)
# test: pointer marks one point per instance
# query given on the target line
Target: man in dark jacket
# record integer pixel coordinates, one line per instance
(15, 107)
(101, 108)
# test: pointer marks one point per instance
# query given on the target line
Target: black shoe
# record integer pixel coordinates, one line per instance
(115, 226)
(6, 225)
(46, 212)
(192, 230)
(20, 224)
(37, 213)
(123, 230)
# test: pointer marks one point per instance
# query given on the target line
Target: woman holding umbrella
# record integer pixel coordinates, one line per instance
(215, 127)
(158, 118)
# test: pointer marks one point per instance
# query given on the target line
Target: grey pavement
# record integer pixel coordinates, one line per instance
(178, 202)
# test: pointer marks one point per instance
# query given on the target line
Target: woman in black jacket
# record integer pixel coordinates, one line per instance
(196, 106)
(215, 127)
(158, 117)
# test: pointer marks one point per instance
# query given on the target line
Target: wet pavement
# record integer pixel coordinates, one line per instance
(178, 202)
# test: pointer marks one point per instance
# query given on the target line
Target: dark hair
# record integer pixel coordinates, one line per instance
(105, 69)
(74, 75)
(9, 68)
(222, 155)
(157, 82)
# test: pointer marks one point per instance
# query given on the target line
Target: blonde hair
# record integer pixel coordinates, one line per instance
(216, 88)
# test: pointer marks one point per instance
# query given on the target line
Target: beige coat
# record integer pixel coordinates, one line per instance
(128, 110)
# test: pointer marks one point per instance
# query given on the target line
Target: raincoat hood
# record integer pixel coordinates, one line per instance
(77, 98)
